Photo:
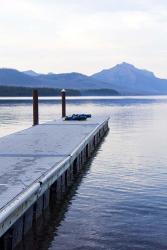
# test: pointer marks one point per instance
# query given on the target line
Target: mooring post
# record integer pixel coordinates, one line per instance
(35, 107)
(63, 96)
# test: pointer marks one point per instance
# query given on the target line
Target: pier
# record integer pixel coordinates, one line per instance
(37, 167)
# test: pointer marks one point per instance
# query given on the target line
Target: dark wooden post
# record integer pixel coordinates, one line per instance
(63, 96)
(35, 107)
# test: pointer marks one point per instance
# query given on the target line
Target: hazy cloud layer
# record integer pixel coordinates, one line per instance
(85, 36)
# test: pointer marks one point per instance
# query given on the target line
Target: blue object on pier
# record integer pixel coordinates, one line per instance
(78, 117)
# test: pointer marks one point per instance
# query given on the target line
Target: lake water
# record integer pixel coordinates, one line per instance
(120, 200)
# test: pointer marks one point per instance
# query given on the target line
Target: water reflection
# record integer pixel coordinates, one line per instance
(16, 113)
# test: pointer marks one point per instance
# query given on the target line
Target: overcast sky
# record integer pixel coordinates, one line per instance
(83, 35)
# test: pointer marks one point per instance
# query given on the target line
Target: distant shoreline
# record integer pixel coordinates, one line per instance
(13, 91)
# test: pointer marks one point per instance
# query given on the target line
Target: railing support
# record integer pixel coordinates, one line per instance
(35, 107)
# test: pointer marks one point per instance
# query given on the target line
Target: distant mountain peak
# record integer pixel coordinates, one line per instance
(30, 73)
(126, 78)
(125, 64)
(129, 66)
(126, 68)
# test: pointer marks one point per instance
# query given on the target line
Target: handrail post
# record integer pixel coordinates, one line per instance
(63, 97)
(35, 107)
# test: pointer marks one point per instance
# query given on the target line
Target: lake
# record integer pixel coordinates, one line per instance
(119, 201)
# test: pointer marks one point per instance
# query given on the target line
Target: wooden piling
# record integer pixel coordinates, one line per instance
(63, 96)
(35, 107)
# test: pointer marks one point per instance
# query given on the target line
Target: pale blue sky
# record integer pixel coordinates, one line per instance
(83, 35)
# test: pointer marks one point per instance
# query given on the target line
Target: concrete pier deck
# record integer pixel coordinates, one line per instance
(33, 159)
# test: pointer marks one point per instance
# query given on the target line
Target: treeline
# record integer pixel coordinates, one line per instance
(9, 91)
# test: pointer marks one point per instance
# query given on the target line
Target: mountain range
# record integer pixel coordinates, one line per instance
(124, 78)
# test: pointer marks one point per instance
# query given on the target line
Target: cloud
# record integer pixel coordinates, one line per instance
(77, 35)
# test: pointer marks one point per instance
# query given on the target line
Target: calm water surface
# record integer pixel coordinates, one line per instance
(120, 200)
